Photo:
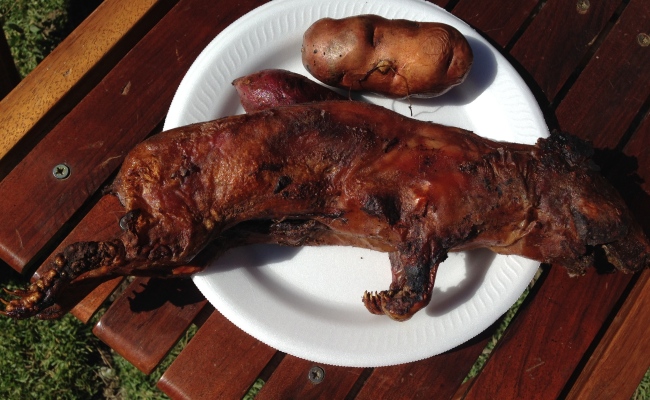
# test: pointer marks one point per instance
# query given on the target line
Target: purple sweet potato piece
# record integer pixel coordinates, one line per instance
(277, 87)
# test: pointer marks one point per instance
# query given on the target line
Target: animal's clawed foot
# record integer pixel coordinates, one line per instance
(399, 305)
(42, 299)
(37, 300)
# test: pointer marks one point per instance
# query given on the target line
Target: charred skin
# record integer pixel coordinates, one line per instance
(350, 173)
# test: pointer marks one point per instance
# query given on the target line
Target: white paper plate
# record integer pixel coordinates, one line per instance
(307, 301)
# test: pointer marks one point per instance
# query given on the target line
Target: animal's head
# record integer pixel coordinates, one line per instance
(597, 215)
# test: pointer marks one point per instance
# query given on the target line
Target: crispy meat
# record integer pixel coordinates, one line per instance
(353, 174)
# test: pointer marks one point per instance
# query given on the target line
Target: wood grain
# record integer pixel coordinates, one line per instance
(498, 22)
(86, 140)
(88, 306)
(613, 371)
(291, 381)
(544, 344)
(556, 41)
(438, 376)
(220, 362)
(145, 322)
(59, 72)
(101, 223)
(615, 84)
(622, 356)
(544, 348)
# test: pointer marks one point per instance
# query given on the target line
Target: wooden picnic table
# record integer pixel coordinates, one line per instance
(110, 84)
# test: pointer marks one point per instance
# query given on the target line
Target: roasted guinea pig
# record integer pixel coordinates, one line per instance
(349, 173)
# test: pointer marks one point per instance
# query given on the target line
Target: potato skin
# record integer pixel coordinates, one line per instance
(397, 58)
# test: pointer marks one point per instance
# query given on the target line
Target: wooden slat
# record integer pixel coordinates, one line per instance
(101, 223)
(623, 355)
(135, 95)
(543, 346)
(86, 308)
(613, 371)
(541, 350)
(438, 376)
(291, 381)
(557, 40)
(220, 362)
(149, 318)
(59, 72)
(9, 76)
(496, 20)
(614, 85)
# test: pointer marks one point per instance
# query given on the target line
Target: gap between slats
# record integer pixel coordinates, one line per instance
(587, 57)
(598, 338)
(46, 251)
(28, 131)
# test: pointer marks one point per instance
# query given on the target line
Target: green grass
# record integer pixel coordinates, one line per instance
(63, 359)
(47, 359)
(33, 28)
(643, 391)
(55, 359)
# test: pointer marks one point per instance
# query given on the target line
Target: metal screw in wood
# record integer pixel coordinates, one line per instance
(316, 375)
(643, 39)
(583, 6)
(61, 171)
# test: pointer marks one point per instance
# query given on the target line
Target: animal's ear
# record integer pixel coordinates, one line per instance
(570, 149)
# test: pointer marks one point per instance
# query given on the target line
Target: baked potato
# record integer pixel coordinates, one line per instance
(395, 57)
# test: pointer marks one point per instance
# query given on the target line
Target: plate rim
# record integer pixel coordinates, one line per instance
(172, 119)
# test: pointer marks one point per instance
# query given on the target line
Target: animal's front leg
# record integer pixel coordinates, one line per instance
(39, 298)
(414, 267)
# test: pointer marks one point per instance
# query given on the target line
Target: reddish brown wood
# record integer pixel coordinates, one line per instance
(101, 223)
(436, 377)
(614, 85)
(35, 208)
(542, 349)
(149, 318)
(497, 20)
(220, 362)
(291, 381)
(558, 38)
(612, 372)
(85, 309)
(545, 343)
(9, 76)
(70, 70)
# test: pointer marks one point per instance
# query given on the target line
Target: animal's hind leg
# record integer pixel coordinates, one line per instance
(414, 269)
(78, 258)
